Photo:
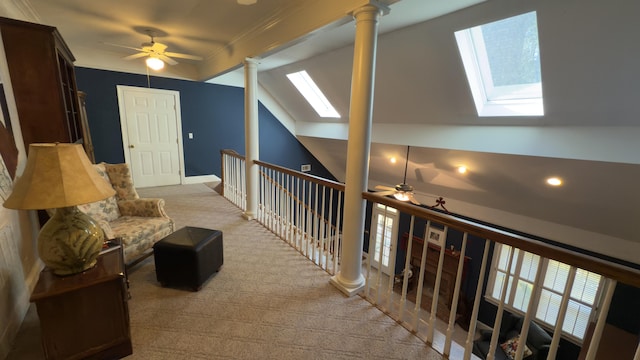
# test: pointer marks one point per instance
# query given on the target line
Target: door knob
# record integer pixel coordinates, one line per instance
(131, 146)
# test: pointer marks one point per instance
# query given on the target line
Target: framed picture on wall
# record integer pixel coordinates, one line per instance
(435, 236)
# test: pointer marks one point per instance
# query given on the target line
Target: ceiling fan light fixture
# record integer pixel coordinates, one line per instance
(154, 63)
(402, 196)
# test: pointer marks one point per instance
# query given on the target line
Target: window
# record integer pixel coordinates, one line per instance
(502, 63)
(553, 278)
(312, 93)
(384, 230)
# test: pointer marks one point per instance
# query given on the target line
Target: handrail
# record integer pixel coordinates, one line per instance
(316, 179)
(232, 153)
(621, 273)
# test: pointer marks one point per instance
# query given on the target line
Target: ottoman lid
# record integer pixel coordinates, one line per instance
(188, 237)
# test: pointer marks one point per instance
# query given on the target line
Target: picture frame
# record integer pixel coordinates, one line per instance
(435, 236)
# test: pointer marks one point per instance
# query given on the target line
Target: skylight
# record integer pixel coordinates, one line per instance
(502, 63)
(308, 88)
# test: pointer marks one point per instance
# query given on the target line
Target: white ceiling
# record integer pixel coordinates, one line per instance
(588, 135)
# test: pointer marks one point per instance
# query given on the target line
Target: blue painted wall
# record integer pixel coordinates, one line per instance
(213, 113)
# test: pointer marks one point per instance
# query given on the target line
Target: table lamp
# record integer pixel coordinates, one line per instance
(60, 176)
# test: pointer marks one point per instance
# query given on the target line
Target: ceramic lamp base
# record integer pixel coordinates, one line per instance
(70, 242)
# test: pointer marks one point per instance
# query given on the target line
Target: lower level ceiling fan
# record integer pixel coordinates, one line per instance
(402, 192)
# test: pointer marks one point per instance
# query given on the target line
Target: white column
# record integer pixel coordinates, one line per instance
(350, 280)
(251, 137)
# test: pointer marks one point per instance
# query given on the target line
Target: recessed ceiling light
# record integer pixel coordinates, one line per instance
(462, 169)
(393, 160)
(554, 181)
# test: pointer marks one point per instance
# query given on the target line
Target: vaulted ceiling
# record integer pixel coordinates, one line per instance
(588, 135)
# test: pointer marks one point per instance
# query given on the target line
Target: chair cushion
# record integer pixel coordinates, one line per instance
(510, 347)
(104, 210)
(140, 233)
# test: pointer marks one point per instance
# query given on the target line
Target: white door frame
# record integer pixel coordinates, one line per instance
(123, 121)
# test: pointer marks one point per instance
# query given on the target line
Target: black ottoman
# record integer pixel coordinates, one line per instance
(188, 257)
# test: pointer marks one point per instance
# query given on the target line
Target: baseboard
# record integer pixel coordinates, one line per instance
(200, 179)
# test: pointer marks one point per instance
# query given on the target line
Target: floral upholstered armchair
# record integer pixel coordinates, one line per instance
(139, 222)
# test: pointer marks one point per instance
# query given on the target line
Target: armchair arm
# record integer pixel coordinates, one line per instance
(147, 207)
(485, 335)
(542, 352)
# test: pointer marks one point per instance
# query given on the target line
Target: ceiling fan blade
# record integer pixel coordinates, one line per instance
(135, 56)
(381, 187)
(413, 199)
(385, 193)
(166, 59)
(124, 46)
(183, 56)
(158, 48)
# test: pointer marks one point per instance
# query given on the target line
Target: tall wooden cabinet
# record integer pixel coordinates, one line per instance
(43, 81)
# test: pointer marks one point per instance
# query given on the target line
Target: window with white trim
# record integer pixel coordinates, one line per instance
(384, 229)
(583, 297)
(502, 63)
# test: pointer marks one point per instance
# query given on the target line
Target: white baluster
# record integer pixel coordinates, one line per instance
(498, 322)
(407, 267)
(557, 333)
(476, 303)
(436, 292)
(337, 249)
(423, 261)
(602, 319)
(456, 294)
(532, 307)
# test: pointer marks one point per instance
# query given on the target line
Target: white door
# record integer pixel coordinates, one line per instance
(151, 135)
(384, 232)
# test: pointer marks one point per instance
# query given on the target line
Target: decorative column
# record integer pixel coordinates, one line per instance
(350, 279)
(251, 136)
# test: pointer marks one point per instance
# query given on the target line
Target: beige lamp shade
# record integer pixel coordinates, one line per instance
(56, 176)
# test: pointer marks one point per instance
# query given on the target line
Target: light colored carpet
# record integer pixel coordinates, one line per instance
(267, 301)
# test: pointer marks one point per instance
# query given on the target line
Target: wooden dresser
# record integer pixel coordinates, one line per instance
(449, 272)
(86, 315)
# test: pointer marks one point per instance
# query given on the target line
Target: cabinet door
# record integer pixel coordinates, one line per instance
(70, 97)
(84, 322)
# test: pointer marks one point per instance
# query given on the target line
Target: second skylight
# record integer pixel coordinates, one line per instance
(312, 93)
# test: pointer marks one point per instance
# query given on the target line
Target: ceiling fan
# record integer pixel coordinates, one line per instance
(156, 54)
(402, 192)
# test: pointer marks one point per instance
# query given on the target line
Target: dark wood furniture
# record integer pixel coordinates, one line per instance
(447, 281)
(86, 315)
(43, 82)
(188, 257)
(84, 122)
